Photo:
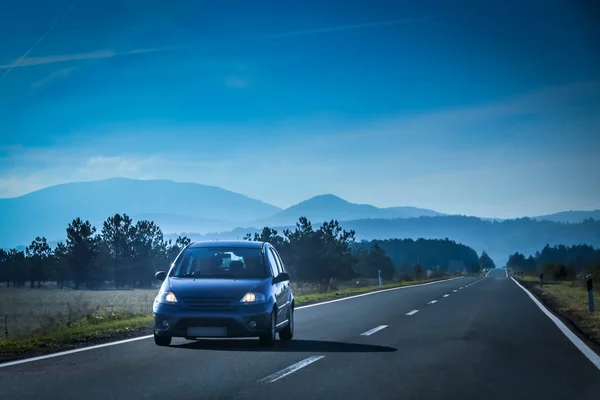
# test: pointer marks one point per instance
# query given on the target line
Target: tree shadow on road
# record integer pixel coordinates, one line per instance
(294, 346)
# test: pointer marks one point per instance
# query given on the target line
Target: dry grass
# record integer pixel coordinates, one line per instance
(30, 311)
(570, 299)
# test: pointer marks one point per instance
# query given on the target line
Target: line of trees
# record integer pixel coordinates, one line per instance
(559, 262)
(433, 254)
(122, 252)
(331, 252)
(127, 254)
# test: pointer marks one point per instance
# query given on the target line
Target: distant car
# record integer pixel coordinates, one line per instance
(225, 289)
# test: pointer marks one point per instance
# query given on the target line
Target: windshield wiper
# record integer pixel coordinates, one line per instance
(192, 275)
(215, 276)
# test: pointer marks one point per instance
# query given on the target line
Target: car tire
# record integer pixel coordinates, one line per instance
(268, 339)
(287, 333)
(162, 340)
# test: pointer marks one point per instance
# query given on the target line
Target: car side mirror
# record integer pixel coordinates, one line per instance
(284, 276)
(161, 275)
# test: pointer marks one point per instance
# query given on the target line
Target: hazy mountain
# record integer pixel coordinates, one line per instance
(48, 211)
(498, 239)
(189, 207)
(327, 207)
(570, 216)
(173, 223)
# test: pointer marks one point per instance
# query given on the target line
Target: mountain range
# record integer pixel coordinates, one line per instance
(200, 209)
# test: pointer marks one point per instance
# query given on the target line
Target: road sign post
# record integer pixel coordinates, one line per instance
(380, 278)
(590, 289)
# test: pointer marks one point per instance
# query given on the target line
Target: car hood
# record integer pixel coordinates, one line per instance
(212, 287)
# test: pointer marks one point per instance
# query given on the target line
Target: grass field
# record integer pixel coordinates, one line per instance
(570, 299)
(28, 311)
(42, 321)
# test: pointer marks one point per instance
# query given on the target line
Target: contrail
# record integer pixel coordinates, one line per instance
(31, 61)
(347, 27)
(16, 63)
(109, 53)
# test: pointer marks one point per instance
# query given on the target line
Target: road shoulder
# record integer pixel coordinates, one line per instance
(566, 323)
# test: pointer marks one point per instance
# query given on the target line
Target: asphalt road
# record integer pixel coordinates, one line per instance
(471, 338)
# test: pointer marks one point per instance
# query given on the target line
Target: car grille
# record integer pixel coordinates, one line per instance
(185, 323)
(203, 303)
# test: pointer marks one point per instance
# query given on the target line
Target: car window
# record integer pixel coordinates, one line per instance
(220, 262)
(273, 263)
(280, 261)
(277, 261)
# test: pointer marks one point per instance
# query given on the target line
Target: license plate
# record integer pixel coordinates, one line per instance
(207, 331)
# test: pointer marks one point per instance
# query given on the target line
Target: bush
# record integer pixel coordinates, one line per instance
(558, 272)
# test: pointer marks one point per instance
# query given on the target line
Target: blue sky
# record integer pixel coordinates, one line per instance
(470, 107)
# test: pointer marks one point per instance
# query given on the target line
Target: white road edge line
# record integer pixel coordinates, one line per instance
(412, 312)
(291, 369)
(372, 331)
(375, 292)
(446, 295)
(454, 291)
(67, 352)
(64, 353)
(589, 353)
(432, 302)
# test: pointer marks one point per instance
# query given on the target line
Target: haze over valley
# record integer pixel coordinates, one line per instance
(206, 212)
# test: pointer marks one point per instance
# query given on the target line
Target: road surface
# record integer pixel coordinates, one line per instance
(467, 338)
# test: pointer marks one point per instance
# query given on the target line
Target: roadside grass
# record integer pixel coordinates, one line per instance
(29, 311)
(569, 299)
(83, 333)
(86, 322)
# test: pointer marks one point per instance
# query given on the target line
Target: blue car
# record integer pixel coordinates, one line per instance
(219, 289)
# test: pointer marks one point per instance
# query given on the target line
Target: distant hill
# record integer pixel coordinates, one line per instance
(48, 211)
(498, 239)
(327, 207)
(190, 207)
(571, 217)
(174, 223)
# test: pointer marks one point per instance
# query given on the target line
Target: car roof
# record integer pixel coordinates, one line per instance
(229, 243)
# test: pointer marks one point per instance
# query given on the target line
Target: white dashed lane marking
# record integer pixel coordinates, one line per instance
(372, 331)
(290, 370)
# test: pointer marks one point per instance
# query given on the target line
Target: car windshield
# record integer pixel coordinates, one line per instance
(220, 262)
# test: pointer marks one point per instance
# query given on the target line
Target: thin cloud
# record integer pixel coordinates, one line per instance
(337, 28)
(236, 82)
(31, 61)
(60, 74)
(40, 39)
(25, 61)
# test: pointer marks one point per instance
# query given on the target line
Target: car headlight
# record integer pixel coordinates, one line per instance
(166, 298)
(253, 298)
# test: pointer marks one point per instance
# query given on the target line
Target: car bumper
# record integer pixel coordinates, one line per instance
(243, 321)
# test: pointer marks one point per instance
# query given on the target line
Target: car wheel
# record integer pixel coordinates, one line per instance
(268, 339)
(288, 332)
(162, 340)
